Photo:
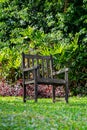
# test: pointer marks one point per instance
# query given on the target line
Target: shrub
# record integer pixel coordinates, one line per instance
(17, 90)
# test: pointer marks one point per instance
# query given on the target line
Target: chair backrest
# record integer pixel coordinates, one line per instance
(45, 63)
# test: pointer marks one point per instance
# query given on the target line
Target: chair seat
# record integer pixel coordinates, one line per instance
(51, 81)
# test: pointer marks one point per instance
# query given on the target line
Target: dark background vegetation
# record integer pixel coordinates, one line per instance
(45, 27)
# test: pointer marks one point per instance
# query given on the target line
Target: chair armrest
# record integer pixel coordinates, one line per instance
(61, 71)
(30, 69)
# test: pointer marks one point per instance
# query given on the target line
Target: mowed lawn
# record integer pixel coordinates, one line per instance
(43, 115)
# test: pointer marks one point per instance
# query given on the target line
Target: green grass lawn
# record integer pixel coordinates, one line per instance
(44, 115)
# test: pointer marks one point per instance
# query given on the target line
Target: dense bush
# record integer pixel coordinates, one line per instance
(74, 57)
(45, 27)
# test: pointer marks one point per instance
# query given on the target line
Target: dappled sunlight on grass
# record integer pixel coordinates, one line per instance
(43, 115)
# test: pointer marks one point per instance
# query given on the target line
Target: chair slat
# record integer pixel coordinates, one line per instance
(43, 68)
(38, 71)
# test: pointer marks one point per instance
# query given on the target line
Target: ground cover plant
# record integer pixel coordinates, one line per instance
(16, 89)
(44, 115)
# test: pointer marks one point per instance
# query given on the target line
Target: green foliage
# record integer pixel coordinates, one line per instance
(43, 115)
(72, 56)
(10, 60)
(45, 27)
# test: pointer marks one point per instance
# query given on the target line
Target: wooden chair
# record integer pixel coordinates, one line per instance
(39, 70)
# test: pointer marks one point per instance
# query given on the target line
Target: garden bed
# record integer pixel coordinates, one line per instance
(16, 89)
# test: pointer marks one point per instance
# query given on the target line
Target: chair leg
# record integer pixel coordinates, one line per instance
(24, 93)
(35, 90)
(66, 93)
(66, 87)
(53, 93)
